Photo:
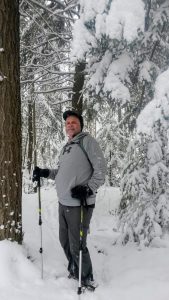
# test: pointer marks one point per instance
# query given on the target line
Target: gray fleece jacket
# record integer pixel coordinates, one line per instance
(75, 169)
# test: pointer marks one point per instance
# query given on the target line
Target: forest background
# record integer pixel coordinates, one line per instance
(108, 59)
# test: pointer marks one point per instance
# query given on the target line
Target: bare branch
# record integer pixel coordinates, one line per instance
(48, 10)
(66, 88)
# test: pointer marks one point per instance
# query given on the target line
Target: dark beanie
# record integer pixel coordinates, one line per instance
(69, 113)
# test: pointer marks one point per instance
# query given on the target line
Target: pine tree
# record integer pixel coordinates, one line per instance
(123, 61)
(144, 209)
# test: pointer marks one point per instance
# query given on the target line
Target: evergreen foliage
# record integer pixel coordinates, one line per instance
(125, 54)
(144, 211)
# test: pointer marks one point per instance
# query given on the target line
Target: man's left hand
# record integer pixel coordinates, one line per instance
(81, 192)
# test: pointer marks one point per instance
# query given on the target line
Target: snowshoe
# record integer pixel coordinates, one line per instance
(89, 284)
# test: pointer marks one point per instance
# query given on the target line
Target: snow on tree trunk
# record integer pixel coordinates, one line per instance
(10, 123)
(144, 209)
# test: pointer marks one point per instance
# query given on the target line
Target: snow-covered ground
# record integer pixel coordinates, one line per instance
(123, 273)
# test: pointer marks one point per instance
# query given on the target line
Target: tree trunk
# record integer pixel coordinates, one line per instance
(32, 153)
(30, 135)
(77, 99)
(34, 135)
(10, 123)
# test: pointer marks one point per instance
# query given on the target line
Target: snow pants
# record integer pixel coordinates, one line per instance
(69, 236)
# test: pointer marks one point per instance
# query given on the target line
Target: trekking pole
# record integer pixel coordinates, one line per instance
(79, 291)
(40, 224)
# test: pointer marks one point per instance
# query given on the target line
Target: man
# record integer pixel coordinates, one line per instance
(81, 171)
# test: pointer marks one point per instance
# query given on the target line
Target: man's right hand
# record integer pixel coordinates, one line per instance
(81, 192)
(38, 172)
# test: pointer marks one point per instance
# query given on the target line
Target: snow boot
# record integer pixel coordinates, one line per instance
(89, 283)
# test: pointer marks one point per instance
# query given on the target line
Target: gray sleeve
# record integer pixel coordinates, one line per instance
(98, 162)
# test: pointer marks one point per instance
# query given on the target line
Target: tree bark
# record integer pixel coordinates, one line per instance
(30, 135)
(77, 99)
(10, 123)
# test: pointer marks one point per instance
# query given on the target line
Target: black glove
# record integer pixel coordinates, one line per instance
(37, 173)
(81, 192)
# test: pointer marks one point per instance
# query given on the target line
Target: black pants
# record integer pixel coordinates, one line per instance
(69, 235)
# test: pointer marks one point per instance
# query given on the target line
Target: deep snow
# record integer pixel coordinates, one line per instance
(123, 273)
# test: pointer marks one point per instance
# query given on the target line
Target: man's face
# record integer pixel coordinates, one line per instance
(72, 126)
